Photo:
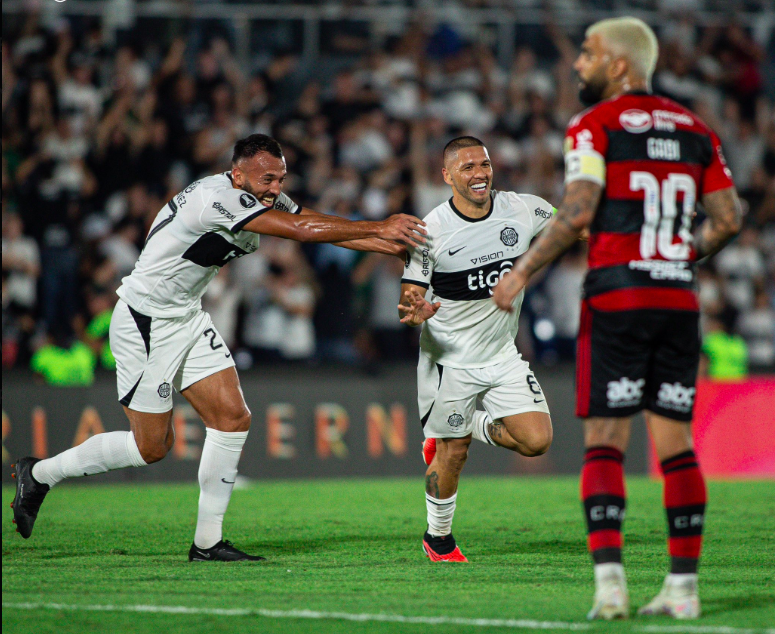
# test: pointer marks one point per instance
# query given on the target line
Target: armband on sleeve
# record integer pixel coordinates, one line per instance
(584, 164)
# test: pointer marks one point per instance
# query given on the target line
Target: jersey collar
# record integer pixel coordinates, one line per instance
(466, 218)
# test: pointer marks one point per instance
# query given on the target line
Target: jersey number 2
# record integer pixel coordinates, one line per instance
(656, 236)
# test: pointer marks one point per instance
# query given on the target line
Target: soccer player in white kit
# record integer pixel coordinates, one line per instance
(162, 339)
(467, 348)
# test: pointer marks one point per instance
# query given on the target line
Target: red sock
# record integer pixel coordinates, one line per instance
(602, 491)
(685, 497)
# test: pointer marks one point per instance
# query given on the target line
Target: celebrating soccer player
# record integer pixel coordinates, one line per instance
(162, 339)
(636, 165)
(467, 345)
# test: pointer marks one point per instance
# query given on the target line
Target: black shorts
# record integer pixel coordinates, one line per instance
(632, 360)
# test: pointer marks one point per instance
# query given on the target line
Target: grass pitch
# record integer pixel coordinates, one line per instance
(353, 547)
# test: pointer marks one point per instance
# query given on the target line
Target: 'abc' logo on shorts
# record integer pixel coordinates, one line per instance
(675, 396)
(624, 392)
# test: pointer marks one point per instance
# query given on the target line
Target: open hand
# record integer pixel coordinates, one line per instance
(419, 309)
(404, 228)
(507, 289)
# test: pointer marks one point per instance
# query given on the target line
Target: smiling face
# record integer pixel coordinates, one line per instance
(262, 175)
(469, 171)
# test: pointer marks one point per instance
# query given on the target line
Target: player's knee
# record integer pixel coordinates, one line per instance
(153, 451)
(238, 420)
(538, 442)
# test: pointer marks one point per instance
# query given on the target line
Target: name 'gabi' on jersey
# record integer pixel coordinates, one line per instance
(655, 159)
(461, 263)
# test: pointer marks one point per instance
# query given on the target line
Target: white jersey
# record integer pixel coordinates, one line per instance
(462, 261)
(196, 233)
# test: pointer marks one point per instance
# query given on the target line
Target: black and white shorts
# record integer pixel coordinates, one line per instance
(632, 360)
(153, 355)
(447, 396)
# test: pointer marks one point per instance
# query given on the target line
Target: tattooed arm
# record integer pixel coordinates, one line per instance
(723, 222)
(574, 215)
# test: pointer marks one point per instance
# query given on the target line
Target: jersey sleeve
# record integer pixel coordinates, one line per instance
(541, 212)
(585, 147)
(284, 203)
(231, 209)
(418, 266)
(717, 174)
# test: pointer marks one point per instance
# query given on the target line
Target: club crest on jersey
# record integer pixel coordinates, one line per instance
(164, 390)
(635, 121)
(248, 201)
(509, 236)
(455, 420)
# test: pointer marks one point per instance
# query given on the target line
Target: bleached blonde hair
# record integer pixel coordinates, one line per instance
(631, 38)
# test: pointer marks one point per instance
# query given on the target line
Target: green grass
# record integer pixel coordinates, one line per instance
(354, 546)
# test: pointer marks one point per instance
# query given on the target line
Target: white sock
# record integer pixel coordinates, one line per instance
(481, 430)
(685, 580)
(217, 473)
(440, 513)
(98, 454)
(609, 572)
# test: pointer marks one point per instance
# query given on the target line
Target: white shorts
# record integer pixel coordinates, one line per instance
(447, 396)
(153, 355)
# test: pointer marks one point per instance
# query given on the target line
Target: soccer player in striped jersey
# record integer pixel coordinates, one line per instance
(636, 167)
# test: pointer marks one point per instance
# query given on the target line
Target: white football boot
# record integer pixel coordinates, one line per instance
(678, 598)
(611, 598)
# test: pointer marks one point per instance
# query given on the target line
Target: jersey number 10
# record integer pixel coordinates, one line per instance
(656, 236)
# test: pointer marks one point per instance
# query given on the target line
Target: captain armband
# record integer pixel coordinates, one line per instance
(584, 164)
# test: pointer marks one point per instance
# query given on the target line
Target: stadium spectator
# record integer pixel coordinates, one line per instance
(97, 130)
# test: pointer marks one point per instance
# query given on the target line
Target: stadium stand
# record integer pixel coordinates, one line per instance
(103, 123)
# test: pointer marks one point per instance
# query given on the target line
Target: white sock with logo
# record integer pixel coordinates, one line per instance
(217, 473)
(440, 514)
(481, 431)
(98, 454)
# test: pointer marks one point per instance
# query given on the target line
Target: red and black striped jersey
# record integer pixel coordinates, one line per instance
(654, 159)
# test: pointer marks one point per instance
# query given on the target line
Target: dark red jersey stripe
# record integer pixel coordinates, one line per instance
(645, 298)
(613, 249)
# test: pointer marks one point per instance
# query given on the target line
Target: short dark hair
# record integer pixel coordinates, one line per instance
(255, 143)
(460, 142)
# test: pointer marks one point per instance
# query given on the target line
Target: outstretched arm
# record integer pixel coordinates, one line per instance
(723, 223)
(414, 309)
(375, 245)
(574, 215)
(326, 228)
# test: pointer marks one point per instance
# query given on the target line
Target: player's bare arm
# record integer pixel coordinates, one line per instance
(325, 228)
(574, 215)
(374, 245)
(723, 223)
(263, 176)
(414, 309)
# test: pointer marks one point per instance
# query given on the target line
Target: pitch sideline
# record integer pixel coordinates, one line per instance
(385, 618)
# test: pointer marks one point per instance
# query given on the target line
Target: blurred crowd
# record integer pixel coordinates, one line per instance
(98, 133)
